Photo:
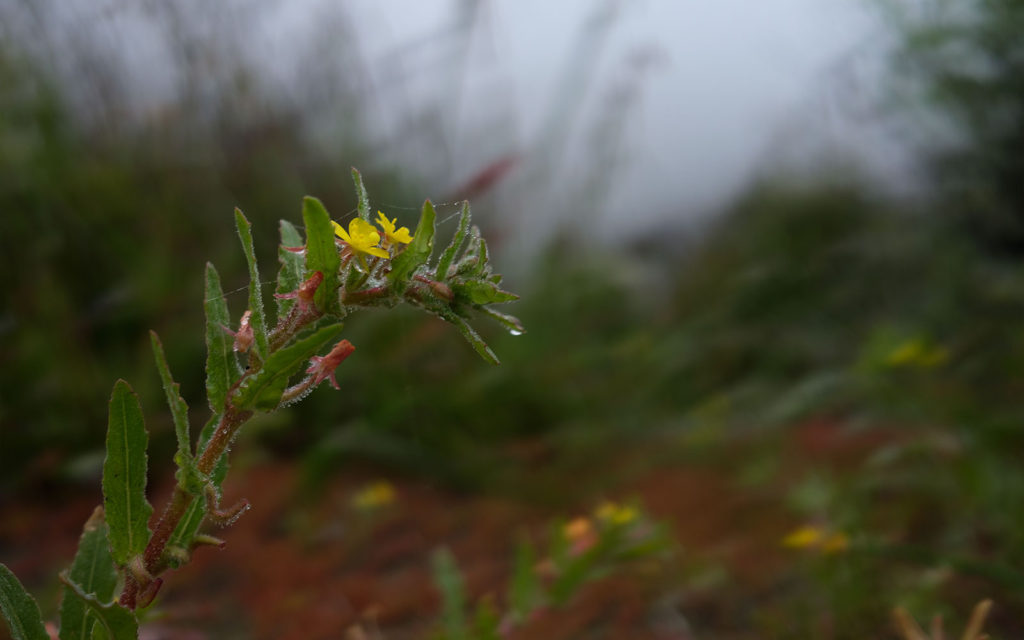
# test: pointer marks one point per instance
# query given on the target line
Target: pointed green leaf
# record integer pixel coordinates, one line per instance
(188, 526)
(453, 247)
(93, 571)
(258, 320)
(363, 198)
(404, 265)
(481, 292)
(20, 609)
(292, 265)
(222, 368)
(471, 336)
(321, 254)
(118, 622)
(510, 322)
(449, 583)
(188, 475)
(124, 475)
(263, 389)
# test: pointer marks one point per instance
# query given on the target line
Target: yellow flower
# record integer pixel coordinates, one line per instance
(803, 538)
(615, 514)
(809, 537)
(401, 235)
(361, 236)
(374, 495)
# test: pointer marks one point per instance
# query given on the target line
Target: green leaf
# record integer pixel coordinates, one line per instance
(119, 623)
(362, 197)
(481, 292)
(449, 582)
(321, 254)
(417, 253)
(471, 336)
(263, 389)
(292, 266)
(511, 323)
(258, 320)
(20, 609)
(453, 247)
(124, 475)
(222, 368)
(93, 570)
(188, 475)
(525, 593)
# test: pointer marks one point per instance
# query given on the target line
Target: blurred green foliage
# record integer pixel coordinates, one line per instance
(964, 61)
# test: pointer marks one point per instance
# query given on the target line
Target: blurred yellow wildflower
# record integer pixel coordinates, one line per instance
(802, 538)
(373, 496)
(615, 513)
(810, 537)
(361, 236)
(392, 235)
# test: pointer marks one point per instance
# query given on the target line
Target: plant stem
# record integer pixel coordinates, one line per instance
(180, 501)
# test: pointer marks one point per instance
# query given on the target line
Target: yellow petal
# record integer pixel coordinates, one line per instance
(340, 231)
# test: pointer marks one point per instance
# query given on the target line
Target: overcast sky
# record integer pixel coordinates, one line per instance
(727, 86)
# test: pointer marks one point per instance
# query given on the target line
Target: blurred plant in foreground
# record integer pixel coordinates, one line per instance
(320, 282)
(581, 550)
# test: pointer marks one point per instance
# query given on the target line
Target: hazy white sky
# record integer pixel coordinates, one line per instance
(731, 83)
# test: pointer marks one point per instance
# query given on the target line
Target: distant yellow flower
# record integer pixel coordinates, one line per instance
(401, 235)
(374, 495)
(361, 236)
(615, 513)
(802, 538)
(809, 537)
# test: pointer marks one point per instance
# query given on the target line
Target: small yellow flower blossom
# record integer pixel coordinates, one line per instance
(361, 236)
(809, 537)
(392, 235)
(835, 543)
(803, 538)
(578, 528)
(373, 496)
(615, 513)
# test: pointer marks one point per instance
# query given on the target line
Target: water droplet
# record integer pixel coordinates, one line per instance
(516, 332)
